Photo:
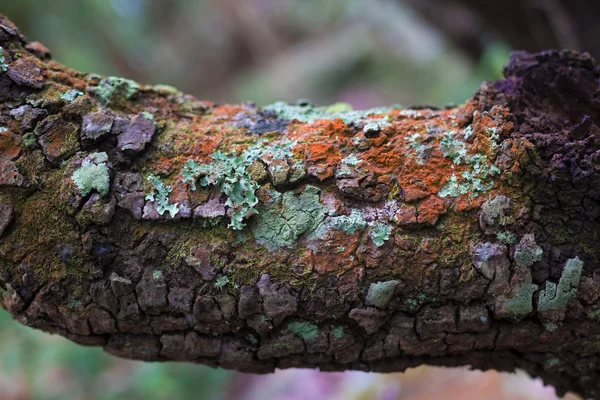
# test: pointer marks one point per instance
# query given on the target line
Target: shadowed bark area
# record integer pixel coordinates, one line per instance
(161, 227)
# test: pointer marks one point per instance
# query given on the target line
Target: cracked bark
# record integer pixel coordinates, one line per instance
(381, 241)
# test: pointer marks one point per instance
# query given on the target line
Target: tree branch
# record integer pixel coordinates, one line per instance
(161, 227)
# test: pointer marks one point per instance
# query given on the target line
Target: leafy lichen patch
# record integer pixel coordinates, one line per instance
(306, 330)
(281, 224)
(93, 174)
(556, 296)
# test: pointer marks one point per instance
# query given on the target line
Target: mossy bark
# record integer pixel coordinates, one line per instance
(161, 227)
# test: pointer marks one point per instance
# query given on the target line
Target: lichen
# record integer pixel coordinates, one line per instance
(338, 332)
(305, 112)
(233, 175)
(507, 237)
(281, 224)
(527, 252)
(380, 293)
(160, 195)
(556, 297)
(112, 88)
(71, 95)
(306, 330)
(93, 174)
(521, 302)
(380, 233)
(3, 65)
(493, 212)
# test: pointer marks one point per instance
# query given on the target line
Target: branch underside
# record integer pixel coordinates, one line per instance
(161, 227)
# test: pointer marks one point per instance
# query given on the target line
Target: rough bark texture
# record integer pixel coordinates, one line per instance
(165, 228)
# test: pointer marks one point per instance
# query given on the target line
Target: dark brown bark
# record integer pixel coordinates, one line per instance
(316, 237)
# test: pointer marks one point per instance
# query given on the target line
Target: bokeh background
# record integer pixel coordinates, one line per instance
(365, 52)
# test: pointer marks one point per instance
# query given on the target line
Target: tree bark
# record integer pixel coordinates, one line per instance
(161, 227)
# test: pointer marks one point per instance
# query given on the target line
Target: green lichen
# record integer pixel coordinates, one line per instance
(521, 303)
(71, 95)
(474, 180)
(380, 293)
(507, 237)
(380, 233)
(306, 330)
(160, 195)
(232, 174)
(114, 88)
(3, 65)
(351, 160)
(156, 274)
(281, 224)
(350, 224)
(556, 297)
(93, 174)
(222, 281)
(338, 332)
(494, 211)
(305, 112)
(527, 252)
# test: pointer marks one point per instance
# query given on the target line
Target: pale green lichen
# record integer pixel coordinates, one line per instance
(521, 303)
(160, 195)
(305, 112)
(380, 233)
(29, 140)
(475, 179)
(338, 332)
(232, 175)
(157, 274)
(222, 281)
(113, 88)
(494, 211)
(380, 293)
(350, 160)
(527, 252)
(350, 224)
(71, 95)
(93, 174)
(3, 65)
(507, 237)
(281, 224)
(556, 297)
(306, 330)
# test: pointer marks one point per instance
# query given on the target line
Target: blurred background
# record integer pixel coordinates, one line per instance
(367, 53)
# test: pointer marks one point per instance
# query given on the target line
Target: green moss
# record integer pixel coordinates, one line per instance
(282, 224)
(556, 297)
(306, 330)
(93, 174)
(160, 195)
(29, 140)
(380, 233)
(380, 293)
(114, 89)
(507, 237)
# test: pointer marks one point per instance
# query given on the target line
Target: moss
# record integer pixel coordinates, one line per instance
(93, 175)
(556, 297)
(282, 224)
(29, 141)
(114, 89)
(306, 330)
(380, 233)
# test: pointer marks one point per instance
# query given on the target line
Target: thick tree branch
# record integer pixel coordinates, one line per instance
(165, 228)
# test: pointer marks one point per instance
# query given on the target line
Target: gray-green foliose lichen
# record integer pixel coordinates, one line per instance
(380, 293)
(306, 330)
(556, 297)
(380, 233)
(3, 65)
(305, 112)
(281, 224)
(71, 95)
(113, 87)
(160, 195)
(93, 174)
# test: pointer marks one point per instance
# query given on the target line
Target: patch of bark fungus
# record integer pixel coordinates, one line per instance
(161, 227)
